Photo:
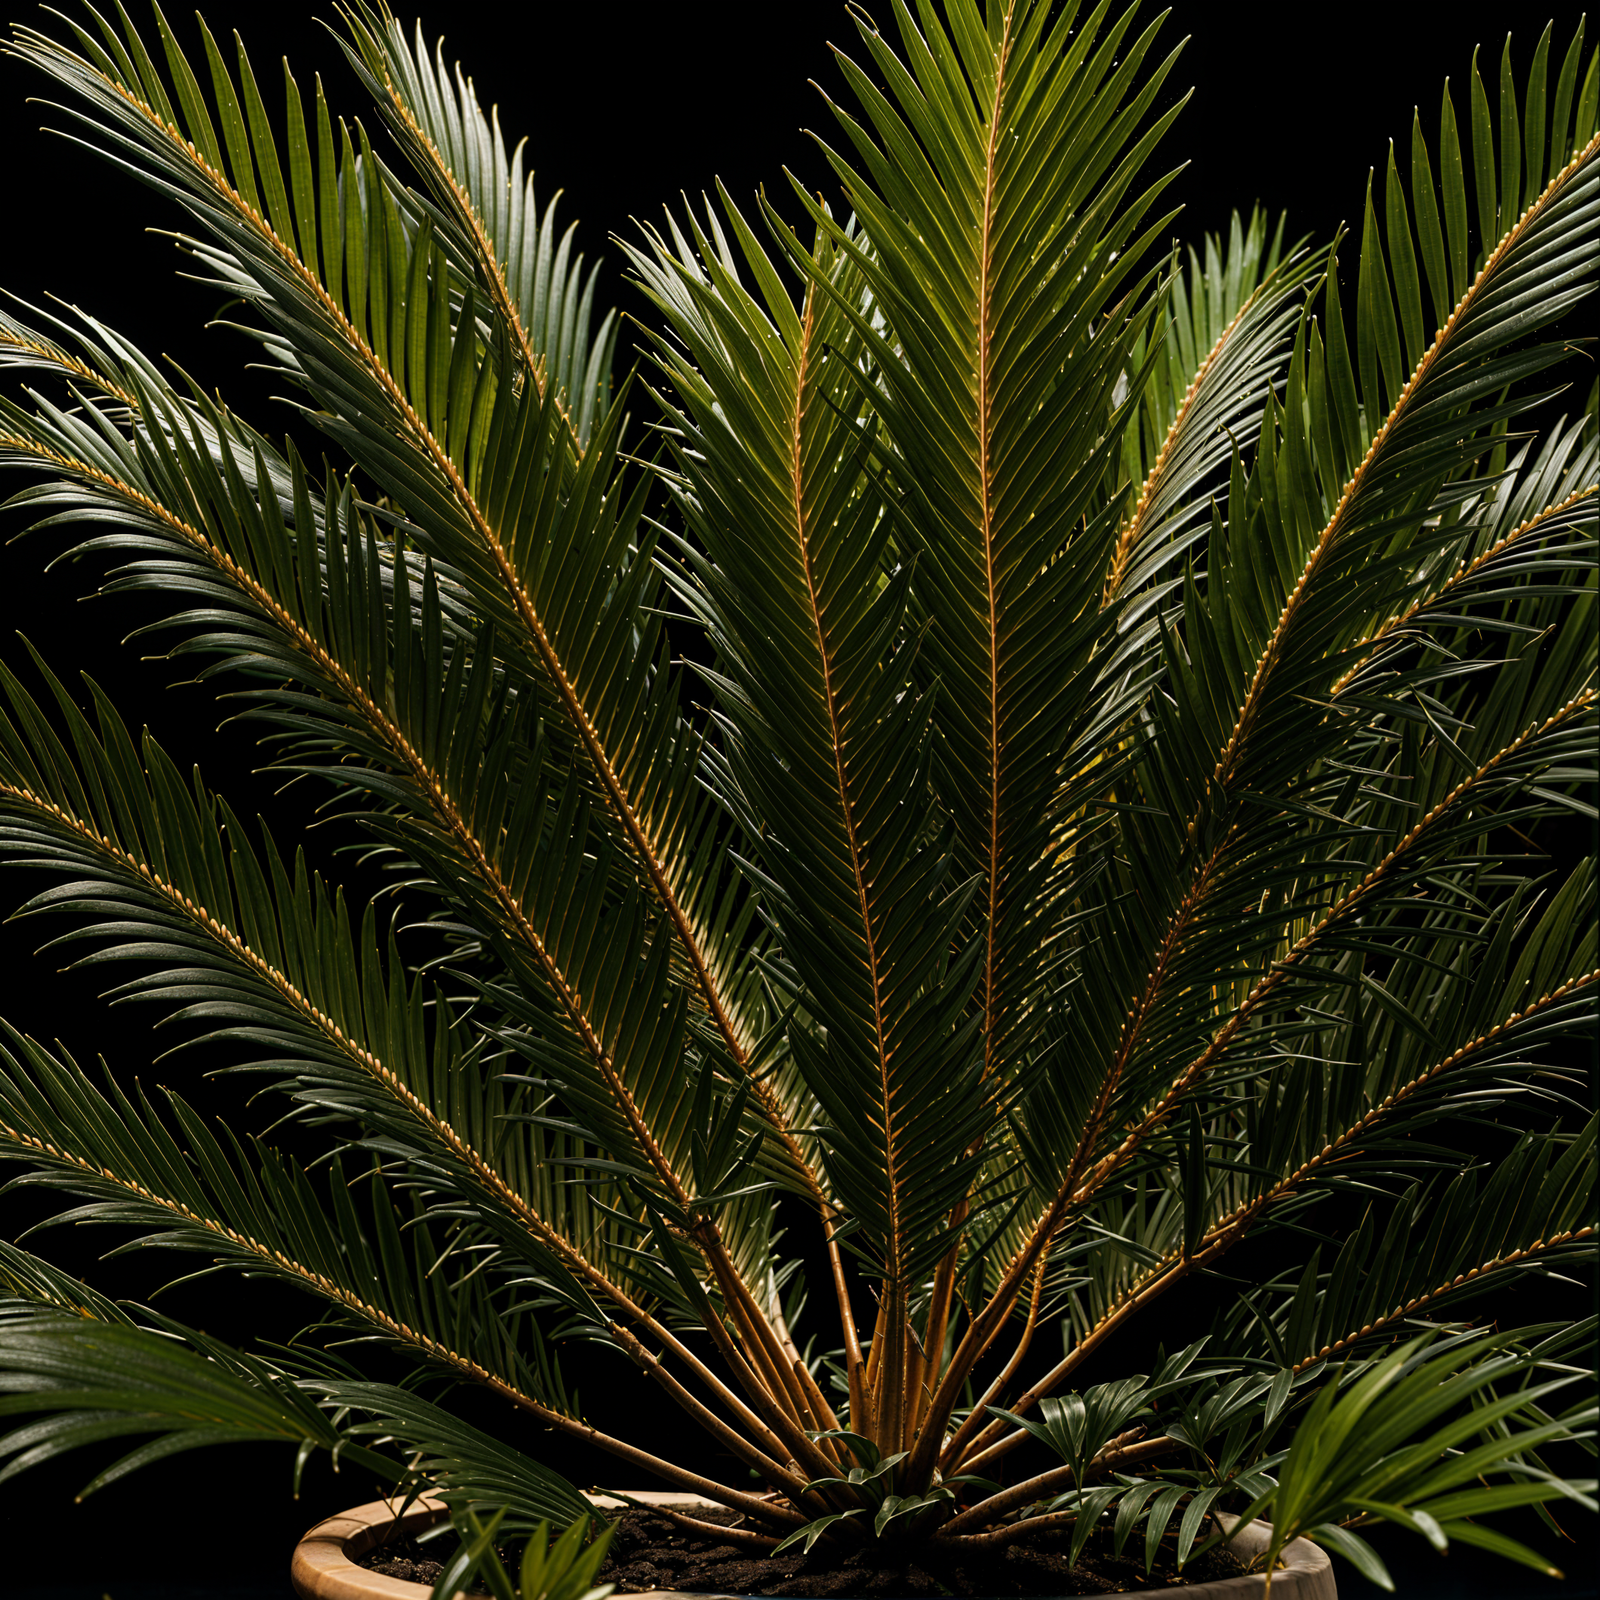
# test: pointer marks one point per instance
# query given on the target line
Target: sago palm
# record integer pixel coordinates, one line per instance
(1133, 678)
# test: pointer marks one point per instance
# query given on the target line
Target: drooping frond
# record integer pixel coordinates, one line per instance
(106, 1375)
(539, 293)
(387, 340)
(1220, 348)
(1141, 686)
(261, 954)
(381, 661)
(1223, 846)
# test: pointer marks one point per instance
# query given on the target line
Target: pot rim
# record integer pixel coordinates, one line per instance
(324, 1565)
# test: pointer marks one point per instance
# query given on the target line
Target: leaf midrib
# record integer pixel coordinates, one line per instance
(1329, 535)
(549, 657)
(841, 777)
(986, 313)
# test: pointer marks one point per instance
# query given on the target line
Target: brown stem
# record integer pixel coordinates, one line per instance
(1110, 1461)
(989, 1447)
(914, 1385)
(777, 1354)
(766, 1437)
(939, 1306)
(715, 1530)
(853, 1359)
(748, 1379)
(892, 1372)
(790, 1412)
(974, 1418)
(981, 1334)
(679, 1477)
(822, 1417)
(817, 1403)
(790, 1429)
(868, 1425)
(1042, 1484)
(780, 1477)
(767, 1389)
(985, 1327)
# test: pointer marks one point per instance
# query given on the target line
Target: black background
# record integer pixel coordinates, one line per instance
(625, 106)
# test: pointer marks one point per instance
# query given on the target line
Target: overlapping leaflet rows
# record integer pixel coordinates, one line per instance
(1135, 677)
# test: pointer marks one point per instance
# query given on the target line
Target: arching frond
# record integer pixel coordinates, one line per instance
(1142, 686)
(524, 270)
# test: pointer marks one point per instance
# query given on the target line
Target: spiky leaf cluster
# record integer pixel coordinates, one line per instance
(1135, 675)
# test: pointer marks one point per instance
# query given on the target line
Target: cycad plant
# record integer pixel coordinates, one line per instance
(1135, 682)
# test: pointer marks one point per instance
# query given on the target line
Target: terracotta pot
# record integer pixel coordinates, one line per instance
(324, 1566)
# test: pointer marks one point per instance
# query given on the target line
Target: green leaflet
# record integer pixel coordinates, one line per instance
(1134, 675)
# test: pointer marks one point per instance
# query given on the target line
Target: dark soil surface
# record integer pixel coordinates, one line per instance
(649, 1552)
(411, 1560)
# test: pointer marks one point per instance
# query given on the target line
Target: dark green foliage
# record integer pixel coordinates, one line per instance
(1135, 674)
